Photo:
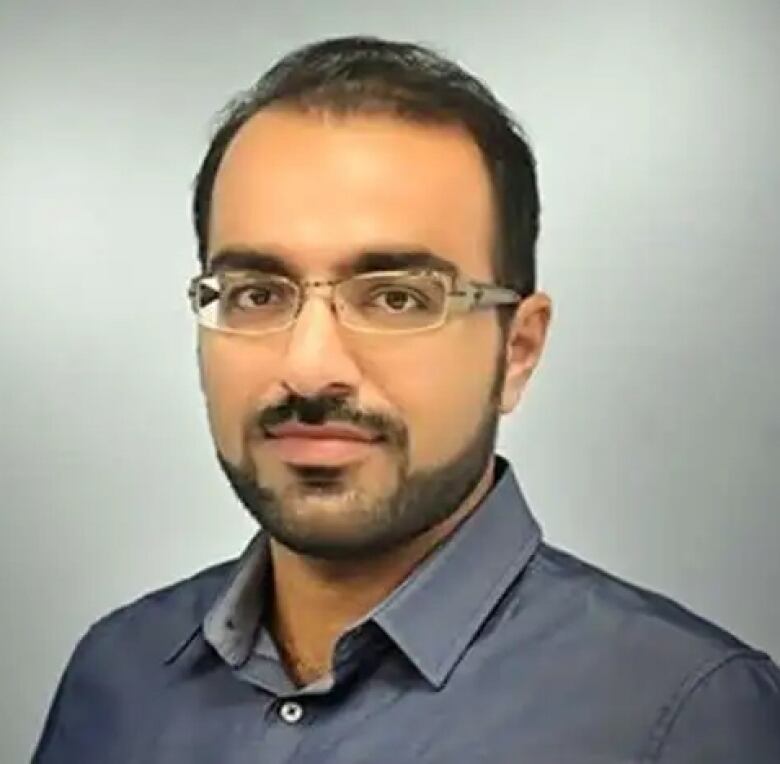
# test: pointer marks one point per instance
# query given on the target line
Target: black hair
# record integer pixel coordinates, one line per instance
(351, 75)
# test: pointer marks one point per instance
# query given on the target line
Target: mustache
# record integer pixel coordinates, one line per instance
(328, 409)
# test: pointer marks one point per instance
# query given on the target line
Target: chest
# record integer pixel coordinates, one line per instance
(390, 718)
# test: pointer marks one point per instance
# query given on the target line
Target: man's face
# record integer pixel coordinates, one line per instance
(317, 192)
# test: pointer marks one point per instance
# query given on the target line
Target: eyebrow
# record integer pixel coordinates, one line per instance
(397, 260)
(250, 259)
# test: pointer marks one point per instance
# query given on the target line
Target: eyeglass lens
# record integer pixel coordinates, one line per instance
(258, 303)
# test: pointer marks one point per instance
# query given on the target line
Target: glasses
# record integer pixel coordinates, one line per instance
(390, 302)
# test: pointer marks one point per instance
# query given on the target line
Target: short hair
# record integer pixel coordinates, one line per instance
(369, 75)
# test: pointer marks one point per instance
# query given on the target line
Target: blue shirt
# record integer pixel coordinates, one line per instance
(498, 648)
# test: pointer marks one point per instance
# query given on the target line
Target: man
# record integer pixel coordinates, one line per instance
(366, 218)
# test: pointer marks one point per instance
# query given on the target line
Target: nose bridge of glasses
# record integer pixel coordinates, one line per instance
(325, 289)
(321, 287)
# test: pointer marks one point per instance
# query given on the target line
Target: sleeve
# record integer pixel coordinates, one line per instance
(730, 715)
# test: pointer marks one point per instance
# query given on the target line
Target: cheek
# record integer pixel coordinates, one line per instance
(234, 381)
(442, 389)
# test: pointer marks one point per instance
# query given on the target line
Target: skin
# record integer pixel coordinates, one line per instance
(317, 190)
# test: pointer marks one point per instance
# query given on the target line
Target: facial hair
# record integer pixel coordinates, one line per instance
(421, 499)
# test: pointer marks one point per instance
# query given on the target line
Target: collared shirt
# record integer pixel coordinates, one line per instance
(498, 648)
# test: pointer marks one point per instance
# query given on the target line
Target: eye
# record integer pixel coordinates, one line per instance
(256, 296)
(398, 300)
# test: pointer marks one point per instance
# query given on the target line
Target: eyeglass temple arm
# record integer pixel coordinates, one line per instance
(473, 295)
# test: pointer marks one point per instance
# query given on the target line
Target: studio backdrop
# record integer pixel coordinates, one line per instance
(649, 440)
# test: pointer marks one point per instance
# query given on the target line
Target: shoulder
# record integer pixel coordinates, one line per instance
(705, 695)
(115, 668)
(624, 614)
(155, 623)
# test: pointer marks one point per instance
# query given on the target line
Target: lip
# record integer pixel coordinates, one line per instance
(328, 445)
(321, 432)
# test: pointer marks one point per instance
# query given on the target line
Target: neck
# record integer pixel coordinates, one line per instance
(316, 600)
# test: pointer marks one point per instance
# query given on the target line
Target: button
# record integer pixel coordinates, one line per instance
(291, 712)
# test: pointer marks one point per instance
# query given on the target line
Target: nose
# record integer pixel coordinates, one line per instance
(317, 360)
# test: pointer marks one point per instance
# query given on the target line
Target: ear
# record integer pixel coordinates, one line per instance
(525, 340)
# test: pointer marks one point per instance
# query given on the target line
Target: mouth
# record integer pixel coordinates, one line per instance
(325, 445)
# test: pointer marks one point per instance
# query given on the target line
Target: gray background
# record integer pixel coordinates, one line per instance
(649, 440)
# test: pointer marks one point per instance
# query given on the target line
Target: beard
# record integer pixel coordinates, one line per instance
(345, 519)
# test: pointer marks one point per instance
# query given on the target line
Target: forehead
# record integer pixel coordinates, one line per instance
(318, 190)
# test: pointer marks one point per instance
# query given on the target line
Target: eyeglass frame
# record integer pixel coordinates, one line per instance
(462, 296)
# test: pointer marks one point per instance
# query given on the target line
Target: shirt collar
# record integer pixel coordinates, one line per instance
(231, 625)
(229, 616)
(432, 616)
(436, 612)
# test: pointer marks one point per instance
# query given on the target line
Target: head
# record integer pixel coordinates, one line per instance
(347, 156)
